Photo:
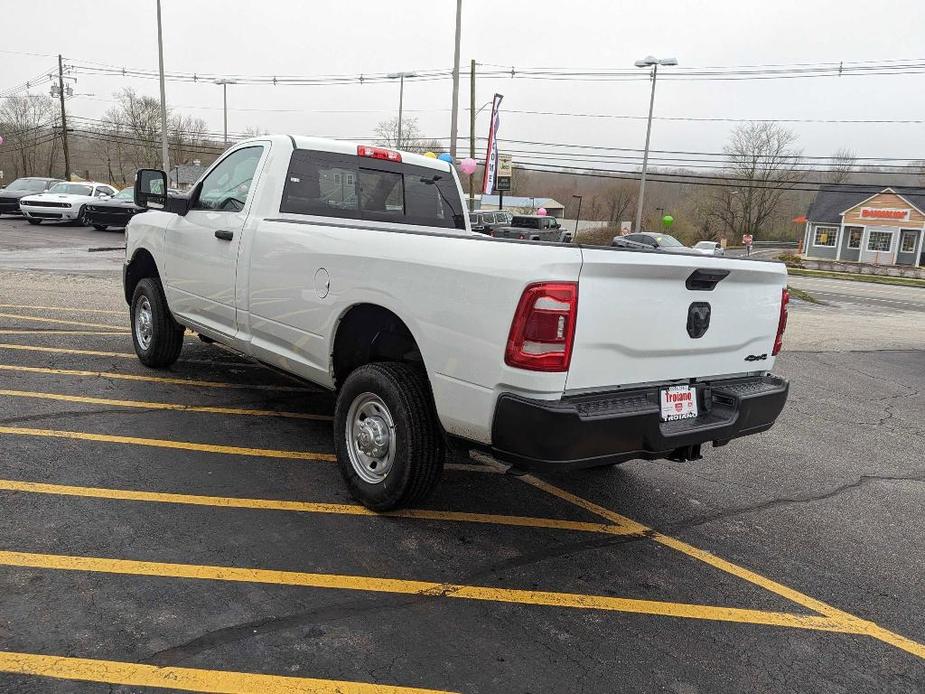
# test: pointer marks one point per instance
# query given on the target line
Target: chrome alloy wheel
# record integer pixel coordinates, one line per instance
(144, 323)
(370, 434)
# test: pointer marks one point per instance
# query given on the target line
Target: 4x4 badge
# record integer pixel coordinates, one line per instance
(756, 357)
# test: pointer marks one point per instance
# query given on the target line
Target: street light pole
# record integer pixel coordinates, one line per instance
(648, 61)
(455, 107)
(225, 83)
(165, 156)
(400, 76)
(577, 216)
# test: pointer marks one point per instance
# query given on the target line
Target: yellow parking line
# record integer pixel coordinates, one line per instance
(183, 678)
(5, 331)
(433, 589)
(66, 308)
(172, 406)
(148, 379)
(851, 623)
(202, 447)
(63, 350)
(165, 443)
(59, 321)
(303, 507)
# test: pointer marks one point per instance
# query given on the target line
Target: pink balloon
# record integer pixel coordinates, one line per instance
(468, 166)
(541, 212)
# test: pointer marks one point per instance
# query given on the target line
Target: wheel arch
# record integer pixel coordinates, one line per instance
(141, 265)
(367, 332)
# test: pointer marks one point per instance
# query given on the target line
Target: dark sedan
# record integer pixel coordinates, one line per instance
(21, 187)
(114, 212)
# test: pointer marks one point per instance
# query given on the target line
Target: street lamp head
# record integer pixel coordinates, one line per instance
(648, 61)
(222, 80)
(396, 75)
(668, 61)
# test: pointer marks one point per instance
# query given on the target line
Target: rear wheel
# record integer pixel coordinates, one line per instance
(157, 337)
(388, 444)
(33, 221)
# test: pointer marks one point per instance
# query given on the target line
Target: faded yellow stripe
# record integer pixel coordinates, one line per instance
(185, 679)
(148, 379)
(166, 443)
(849, 622)
(67, 308)
(59, 321)
(65, 332)
(67, 350)
(302, 506)
(422, 588)
(175, 407)
(203, 447)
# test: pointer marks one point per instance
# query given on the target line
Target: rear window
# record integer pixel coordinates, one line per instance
(339, 185)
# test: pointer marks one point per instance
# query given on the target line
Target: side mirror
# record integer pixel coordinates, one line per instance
(151, 189)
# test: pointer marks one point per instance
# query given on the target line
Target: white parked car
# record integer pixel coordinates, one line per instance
(709, 248)
(354, 268)
(64, 201)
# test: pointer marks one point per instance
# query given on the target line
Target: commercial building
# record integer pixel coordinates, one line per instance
(523, 204)
(850, 224)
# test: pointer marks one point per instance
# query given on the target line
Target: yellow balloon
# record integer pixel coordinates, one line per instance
(430, 155)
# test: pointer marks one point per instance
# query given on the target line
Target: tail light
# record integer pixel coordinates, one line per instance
(782, 322)
(543, 328)
(378, 153)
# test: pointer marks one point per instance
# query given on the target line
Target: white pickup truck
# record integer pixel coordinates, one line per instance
(353, 267)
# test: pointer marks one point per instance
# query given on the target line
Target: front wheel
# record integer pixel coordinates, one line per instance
(388, 444)
(157, 337)
(100, 227)
(33, 221)
(81, 216)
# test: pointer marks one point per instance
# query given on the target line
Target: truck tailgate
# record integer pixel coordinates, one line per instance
(634, 310)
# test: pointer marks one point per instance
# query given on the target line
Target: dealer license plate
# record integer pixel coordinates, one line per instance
(678, 402)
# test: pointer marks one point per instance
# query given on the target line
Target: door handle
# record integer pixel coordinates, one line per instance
(224, 235)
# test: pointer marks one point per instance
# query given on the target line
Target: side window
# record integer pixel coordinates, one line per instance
(227, 186)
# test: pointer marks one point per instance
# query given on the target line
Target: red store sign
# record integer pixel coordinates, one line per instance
(885, 213)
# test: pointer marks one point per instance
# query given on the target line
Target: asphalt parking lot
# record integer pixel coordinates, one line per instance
(187, 529)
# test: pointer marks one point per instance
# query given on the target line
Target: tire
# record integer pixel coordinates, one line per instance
(81, 219)
(33, 221)
(100, 227)
(157, 337)
(416, 449)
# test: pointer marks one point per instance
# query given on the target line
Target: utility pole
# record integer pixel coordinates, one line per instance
(67, 154)
(471, 131)
(165, 156)
(455, 107)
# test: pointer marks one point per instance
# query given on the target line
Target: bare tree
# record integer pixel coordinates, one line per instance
(253, 131)
(411, 140)
(762, 165)
(186, 137)
(29, 129)
(618, 199)
(841, 165)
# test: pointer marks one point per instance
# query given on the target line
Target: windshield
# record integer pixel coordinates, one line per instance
(704, 244)
(29, 185)
(125, 194)
(71, 189)
(666, 241)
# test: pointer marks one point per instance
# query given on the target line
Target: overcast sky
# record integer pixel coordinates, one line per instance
(349, 36)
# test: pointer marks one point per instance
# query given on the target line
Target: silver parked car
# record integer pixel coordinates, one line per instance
(709, 248)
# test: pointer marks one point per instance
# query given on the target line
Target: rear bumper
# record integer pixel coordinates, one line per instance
(586, 431)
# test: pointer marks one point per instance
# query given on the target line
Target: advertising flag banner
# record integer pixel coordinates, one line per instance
(491, 156)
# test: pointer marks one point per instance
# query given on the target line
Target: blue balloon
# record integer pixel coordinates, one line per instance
(447, 157)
